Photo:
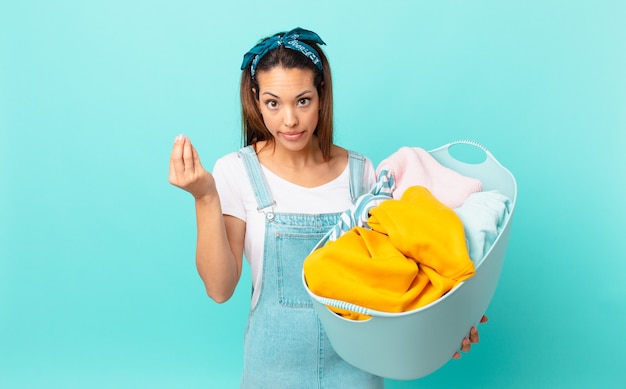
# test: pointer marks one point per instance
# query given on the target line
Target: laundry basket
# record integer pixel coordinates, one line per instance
(413, 344)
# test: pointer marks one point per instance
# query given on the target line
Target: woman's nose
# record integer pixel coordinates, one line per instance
(291, 119)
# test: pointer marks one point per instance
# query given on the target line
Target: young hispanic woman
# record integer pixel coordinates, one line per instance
(272, 201)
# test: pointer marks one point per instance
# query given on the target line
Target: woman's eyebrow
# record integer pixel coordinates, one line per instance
(271, 94)
(303, 93)
(297, 97)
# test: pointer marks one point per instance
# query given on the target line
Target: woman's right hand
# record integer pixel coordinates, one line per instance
(186, 171)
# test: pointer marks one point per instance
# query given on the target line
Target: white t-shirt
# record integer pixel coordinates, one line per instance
(238, 200)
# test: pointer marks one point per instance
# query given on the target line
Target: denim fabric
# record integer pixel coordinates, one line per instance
(285, 345)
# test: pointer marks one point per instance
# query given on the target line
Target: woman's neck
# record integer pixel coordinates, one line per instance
(305, 167)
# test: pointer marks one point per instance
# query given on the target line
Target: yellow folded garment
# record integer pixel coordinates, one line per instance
(414, 253)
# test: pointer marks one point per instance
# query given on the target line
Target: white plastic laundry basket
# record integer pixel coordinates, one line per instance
(413, 344)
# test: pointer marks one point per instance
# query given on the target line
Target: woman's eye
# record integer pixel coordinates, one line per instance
(305, 101)
(272, 104)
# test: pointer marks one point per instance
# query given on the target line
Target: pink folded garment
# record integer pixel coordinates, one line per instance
(412, 166)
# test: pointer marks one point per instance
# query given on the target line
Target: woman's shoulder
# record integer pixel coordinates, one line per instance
(368, 166)
(342, 153)
(229, 163)
(227, 157)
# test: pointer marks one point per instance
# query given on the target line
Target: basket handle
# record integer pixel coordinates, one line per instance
(471, 143)
(344, 305)
(467, 142)
(446, 149)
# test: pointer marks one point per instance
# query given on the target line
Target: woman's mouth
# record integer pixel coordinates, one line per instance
(291, 136)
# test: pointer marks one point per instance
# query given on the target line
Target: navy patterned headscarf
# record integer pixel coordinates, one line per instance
(291, 40)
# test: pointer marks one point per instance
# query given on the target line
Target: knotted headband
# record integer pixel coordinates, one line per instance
(292, 40)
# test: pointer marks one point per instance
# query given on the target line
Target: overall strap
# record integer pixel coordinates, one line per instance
(356, 162)
(257, 178)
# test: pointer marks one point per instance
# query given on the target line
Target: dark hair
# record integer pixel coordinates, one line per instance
(254, 129)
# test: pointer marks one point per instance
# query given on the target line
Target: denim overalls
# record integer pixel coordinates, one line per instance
(285, 345)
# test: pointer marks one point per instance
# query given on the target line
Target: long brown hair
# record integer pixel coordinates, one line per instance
(254, 129)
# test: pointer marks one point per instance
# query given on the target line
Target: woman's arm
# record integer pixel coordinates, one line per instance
(219, 247)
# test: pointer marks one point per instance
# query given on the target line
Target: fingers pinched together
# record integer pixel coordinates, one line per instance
(186, 171)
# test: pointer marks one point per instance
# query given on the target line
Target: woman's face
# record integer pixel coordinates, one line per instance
(289, 104)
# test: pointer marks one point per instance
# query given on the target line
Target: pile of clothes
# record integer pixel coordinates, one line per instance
(418, 233)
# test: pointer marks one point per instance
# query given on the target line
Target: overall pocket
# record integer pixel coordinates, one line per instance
(291, 250)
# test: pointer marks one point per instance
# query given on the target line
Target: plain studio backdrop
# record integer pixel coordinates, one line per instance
(98, 286)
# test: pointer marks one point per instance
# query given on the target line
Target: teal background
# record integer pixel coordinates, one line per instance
(98, 286)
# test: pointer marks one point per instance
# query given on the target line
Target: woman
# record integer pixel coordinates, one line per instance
(273, 201)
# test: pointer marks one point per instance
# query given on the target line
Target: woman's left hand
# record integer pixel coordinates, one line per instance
(467, 342)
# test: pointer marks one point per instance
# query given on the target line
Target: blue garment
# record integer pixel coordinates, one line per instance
(483, 215)
(285, 345)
